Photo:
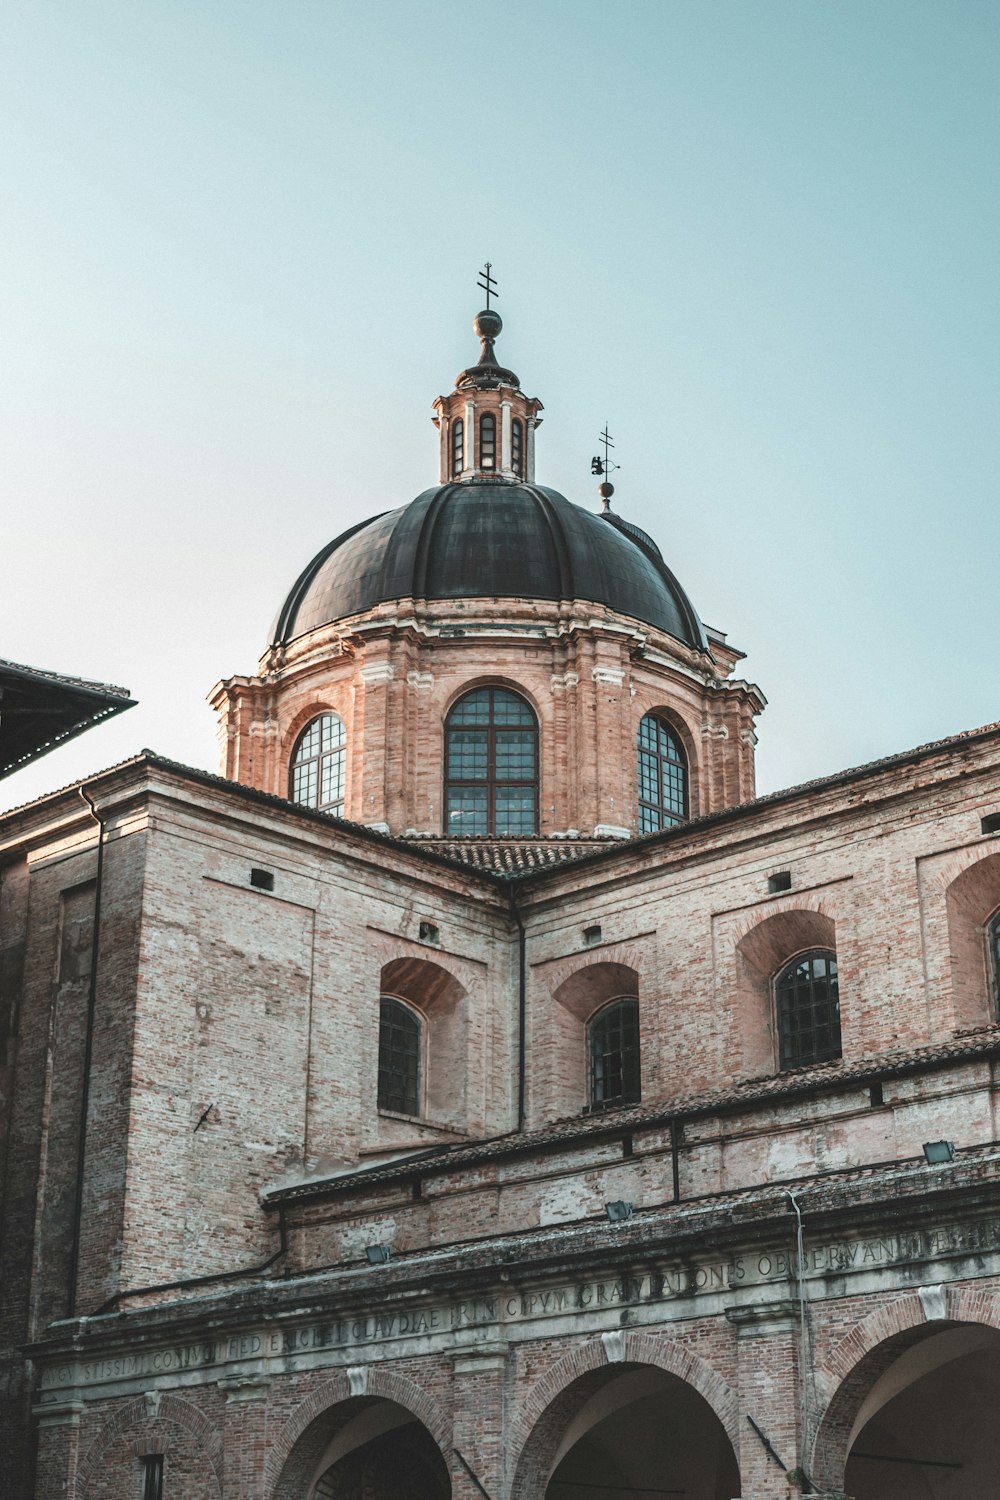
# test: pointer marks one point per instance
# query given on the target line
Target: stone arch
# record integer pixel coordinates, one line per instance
(149, 1413)
(536, 1431)
(865, 1353)
(290, 1456)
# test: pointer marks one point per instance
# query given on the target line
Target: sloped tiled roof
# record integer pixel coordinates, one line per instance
(39, 710)
(513, 857)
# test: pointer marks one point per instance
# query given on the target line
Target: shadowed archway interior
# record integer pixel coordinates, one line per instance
(927, 1428)
(644, 1433)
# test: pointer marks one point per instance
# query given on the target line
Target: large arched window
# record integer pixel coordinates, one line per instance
(663, 790)
(613, 1047)
(491, 766)
(487, 441)
(517, 448)
(808, 1006)
(398, 1057)
(993, 945)
(318, 764)
(457, 447)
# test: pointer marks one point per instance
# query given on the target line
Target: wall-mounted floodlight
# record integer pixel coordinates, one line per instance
(616, 1212)
(936, 1152)
(378, 1254)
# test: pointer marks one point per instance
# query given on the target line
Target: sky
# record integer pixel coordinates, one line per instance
(238, 261)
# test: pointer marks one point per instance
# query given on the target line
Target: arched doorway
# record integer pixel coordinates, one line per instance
(634, 1431)
(917, 1417)
(364, 1448)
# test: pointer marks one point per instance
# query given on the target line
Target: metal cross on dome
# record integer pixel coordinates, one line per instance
(487, 283)
(605, 465)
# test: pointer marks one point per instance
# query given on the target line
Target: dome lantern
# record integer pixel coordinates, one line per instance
(487, 424)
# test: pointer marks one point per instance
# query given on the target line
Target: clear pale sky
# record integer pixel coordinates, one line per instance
(238, 261)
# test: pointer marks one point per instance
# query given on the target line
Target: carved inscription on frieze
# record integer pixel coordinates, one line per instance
(511, 1305)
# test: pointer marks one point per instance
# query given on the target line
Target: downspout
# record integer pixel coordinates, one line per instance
(804, 1352)
(88, 1050)
(522, 1008)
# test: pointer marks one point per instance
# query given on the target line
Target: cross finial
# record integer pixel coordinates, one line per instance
(605, 465)
(487, 283)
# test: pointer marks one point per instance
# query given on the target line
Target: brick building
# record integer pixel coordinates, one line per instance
(475, 1090)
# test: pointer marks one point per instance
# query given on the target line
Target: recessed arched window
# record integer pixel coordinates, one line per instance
(491, 766)
(398, 1057)
(318, 765)
(663, 790)
(808, 1006)
(517, 448)
(613, 1046)
(457, 447)
(487, 441)
(993, 947)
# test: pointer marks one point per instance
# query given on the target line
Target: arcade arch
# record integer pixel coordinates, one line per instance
(627, 1428)
(369, 1445)
(914, 1419)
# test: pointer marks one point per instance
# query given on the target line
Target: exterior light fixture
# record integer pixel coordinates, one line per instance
(616, 1212)
(936, 1152)
(378, 1254)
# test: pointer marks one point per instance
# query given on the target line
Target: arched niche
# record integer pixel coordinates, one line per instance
(971, 900)
(438, 998)
(578, 999)
(628, 1427)
(760, 955)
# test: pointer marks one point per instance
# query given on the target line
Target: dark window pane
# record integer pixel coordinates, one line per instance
(319, 764)
(614, 1055)
(152, 1476)
(457, 446)
(491, 766)
(662, 777)
(467, 811)
(808, 1007)
(398, 1058)
(487, 441)
(517, 448)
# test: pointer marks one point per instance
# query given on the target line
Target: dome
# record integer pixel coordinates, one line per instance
(490, 539)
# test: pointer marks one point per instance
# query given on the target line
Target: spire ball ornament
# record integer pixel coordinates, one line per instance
(487, 324)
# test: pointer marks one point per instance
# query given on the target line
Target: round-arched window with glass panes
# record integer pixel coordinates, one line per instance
(491, 766)
(319, 763)
(613, 1051)
(517, 448)
(663, 778)
(457, 447)
(487, 441)
(993, 950)
(807, 1001)
(398, 1057)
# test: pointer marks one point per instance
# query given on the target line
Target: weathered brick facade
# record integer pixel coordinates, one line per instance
(218, 1250)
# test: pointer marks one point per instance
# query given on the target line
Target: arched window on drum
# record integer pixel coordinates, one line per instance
(319, 763)
(491, 766)
(663, 776)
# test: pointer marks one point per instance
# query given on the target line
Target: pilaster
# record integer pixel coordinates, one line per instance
(767, 1346)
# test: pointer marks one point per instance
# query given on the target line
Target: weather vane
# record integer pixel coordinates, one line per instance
(488, 284)
(604, 465)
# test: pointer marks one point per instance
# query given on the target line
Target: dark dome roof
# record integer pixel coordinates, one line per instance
(490, 539)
